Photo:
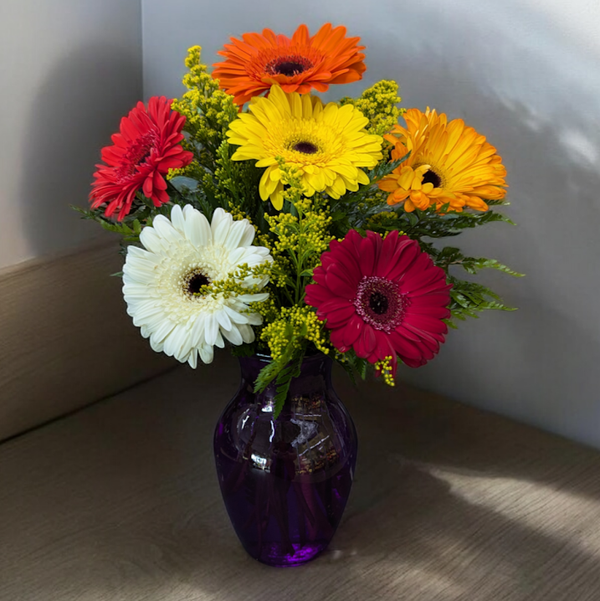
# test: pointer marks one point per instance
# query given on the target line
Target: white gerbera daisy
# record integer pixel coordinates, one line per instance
(161, 283)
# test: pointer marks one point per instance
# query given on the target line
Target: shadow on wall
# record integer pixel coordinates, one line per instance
(539, 364)
(78, 107)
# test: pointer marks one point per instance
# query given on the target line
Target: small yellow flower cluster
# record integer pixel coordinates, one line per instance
(296, 240)
(208, 110)
(175, 173)
(239, 282)
(268, 309)
(384, 367)
(378, 104)
(193, 170)
(238, 215)
(296, 244)
(384, 223)
(295, 325)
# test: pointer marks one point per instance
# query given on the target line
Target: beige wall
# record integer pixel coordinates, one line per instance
(69, 70)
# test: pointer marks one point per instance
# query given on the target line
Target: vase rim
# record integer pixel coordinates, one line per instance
(265, 358)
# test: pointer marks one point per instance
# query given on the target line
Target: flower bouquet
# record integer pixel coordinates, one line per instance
(295, 232)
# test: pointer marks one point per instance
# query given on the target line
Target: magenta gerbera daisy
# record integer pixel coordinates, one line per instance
(383, 298)
(147, 146)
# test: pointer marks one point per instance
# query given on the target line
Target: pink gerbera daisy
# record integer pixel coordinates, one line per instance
(147, 146)
(384, 298)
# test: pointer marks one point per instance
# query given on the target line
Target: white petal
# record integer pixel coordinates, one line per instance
(193, 359)
(238, 256)
(254, 319)
(211, 329)
(223, 319)
(145, 315)
(133, 264)
(247, 333)
(157, 346)
(221, 223)
(197, 228)
(133, 291)
(165, 328)
(253, 298)
(136, 251)
(248, 237)
(152, 241)
(219, 340)
(165, 229)
(233, 336)
(177, 219)
(206, 353)
(185, 348)
(197, 336)
(235, 316)
(173, 341)
(236, 231)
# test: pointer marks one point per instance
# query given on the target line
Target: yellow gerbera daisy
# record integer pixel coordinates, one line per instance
(327, 144)
(449, 163)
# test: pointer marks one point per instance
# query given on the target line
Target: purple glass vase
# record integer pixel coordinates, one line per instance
(286, 481)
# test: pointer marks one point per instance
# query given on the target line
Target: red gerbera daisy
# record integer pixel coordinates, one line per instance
(259, 61)
(383, 298)
(147, 146)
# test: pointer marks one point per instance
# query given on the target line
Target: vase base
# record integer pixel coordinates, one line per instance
(279, 556)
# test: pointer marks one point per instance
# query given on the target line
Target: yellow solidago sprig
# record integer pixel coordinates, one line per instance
(208, 110)
(295, 327)
(378, 104)
(287, 338)
(244, 280)
(386, 370)
(296, 239)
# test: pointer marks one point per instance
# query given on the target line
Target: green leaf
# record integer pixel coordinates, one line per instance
(473, 265)
(284, 379)
(184, 184)
(355, 366)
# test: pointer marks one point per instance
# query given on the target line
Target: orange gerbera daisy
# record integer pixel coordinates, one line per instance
(259, 61)
(449, 164)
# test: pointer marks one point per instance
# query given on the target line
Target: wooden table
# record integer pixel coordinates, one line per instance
(120, 502)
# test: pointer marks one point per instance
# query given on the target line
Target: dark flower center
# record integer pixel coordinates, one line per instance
(305, 147)
(136, 154)
(380, 304)
(289, 66)
(431, 177)
(193, 282)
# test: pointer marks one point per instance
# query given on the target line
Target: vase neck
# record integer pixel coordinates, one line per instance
(315, 374)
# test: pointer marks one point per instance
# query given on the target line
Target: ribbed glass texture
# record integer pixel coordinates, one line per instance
(286, 481)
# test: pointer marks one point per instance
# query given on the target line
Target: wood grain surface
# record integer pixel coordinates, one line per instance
(120, 502)
(65, 339)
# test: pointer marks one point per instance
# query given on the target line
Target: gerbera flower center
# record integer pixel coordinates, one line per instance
(289, 65)
(193, 282)
(431, 177)
(380, 304)
(305, 147)
(137, 152)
